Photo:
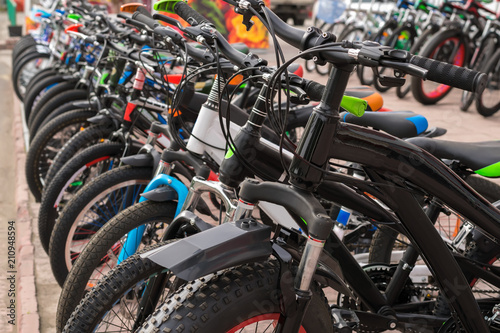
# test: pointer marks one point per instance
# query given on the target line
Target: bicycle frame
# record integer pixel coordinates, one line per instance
(393, 165)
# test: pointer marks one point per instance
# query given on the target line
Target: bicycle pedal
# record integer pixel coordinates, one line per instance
(345, 320)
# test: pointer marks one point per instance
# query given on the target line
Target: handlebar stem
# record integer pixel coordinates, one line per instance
(313, 152)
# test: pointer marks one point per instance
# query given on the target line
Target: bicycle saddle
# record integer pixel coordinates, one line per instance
(402, 124)
(482, 157)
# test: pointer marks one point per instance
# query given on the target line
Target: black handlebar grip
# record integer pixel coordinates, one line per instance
(452, 75)
(148, 21)
(314, 90)
(189, 14)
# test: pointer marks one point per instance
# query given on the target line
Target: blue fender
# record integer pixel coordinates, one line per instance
(130, 247)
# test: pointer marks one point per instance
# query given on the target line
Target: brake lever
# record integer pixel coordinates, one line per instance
(247, 17)
(200, 33)
(405, 67)
(300, 96)
(294, 84)
(168, 20)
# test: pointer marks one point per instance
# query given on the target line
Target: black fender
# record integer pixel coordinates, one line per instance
(211, 249)
(142, 160)
(101, 119)
(224, 246)
(93, 104)
(160, 194)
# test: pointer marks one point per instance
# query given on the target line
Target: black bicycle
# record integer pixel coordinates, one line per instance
(289, 283)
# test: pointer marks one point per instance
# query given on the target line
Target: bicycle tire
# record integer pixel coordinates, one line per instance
(50, 139)
(22, 44)
(130, 276)
(384, 238)
(25, 69)
(492, 68)
(59, 104)
(323, 69)
(89, 136)
(236, 298)
(52, 104)
(487, 47)
(39, 85)
(46, 97)
(434, 50)
(111, 192)
(91, 257)
(74, 175)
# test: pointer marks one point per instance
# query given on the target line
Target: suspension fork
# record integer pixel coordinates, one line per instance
(227, 194)
(319, 224)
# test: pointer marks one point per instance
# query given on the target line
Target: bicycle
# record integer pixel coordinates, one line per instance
(312, 220)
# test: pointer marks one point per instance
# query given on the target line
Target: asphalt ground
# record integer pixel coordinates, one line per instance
(37, 292)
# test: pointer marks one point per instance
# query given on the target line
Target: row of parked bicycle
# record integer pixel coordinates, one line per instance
(463, 33)
(143, 154)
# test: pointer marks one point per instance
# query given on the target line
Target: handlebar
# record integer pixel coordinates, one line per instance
(452, 75)
(148, 21)
(189, 15)
(437, 71)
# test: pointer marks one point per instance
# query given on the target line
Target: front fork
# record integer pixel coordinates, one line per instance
(226, 194)
(162, 178)
(294, 312)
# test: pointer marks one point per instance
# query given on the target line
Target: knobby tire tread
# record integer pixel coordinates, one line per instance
(232, 297)
(52, 105)
(90, 258)
(108, 291)
(74, 165)
(74, 208)
(40, 142)
(90, 136)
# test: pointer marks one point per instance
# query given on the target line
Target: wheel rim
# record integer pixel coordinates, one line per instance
(28, 71)
(264, 323)
(89, 221)
(53, 146)
(442, 53)
(109, 261)
(123, 314)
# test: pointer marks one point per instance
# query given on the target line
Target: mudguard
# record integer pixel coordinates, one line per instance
(84, 104)
(224, 246)
(134, 236)
(160, 194)
(142, 160)
(100, 119)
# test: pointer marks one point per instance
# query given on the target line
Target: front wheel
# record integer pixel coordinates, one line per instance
(45, 145)
(101, 253)
(120, 298)
(247, 298)
(96, 204)
(26, 68)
